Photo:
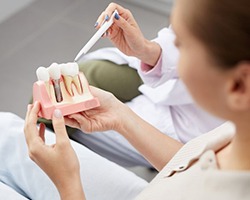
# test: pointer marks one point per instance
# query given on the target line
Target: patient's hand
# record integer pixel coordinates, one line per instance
(108, 116)
(59, 160)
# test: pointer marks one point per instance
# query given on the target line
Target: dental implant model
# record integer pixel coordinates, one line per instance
(62, 86)
(55, 74)
(43, 75)
(70, 73)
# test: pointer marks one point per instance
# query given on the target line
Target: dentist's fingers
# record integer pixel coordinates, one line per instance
(59, 128)
(101, 19)
(112, 7)
(28, 110)
(105, 15)
(32, 113)
(125, 25)
(42, 131)
(30, 127)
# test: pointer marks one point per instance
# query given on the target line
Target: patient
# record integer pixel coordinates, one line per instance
(213, 39)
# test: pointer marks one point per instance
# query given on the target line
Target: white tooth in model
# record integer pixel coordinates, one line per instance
(76, 80)
(66, 72)
(43, 75)
(55, 75)
(70, 73)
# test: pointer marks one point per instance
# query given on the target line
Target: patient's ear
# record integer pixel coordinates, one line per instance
(238, 87)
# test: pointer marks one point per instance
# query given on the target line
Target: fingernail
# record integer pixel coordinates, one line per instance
(96, 24)
(58, 113)
(106, 18)
(117, 16)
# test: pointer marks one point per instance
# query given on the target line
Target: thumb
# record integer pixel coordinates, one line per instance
(59, 127)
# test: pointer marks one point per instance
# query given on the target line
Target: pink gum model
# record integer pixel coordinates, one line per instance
(70, 104)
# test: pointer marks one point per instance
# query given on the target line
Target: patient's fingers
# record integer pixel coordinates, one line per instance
(80, 121)
(71, 122)
(28, 110)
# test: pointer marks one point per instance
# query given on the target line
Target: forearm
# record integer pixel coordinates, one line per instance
(150, 53)
(71, 189)
(155, 146)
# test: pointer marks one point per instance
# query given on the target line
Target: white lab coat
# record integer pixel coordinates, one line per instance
(164, 103)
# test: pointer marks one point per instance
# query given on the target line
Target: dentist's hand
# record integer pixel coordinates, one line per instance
(110, 115)
(59, 160)
(126, 35)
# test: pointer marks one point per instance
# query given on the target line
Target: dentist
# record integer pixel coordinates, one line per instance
(164, 101)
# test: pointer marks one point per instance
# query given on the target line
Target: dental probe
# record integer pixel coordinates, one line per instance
(96, 36)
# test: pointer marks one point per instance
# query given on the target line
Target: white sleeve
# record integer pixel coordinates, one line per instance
(7, 192)
(170, 53)
(165, 69)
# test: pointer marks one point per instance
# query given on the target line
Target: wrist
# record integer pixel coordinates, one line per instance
(151, 53)
(71, 189)
(127, 121)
